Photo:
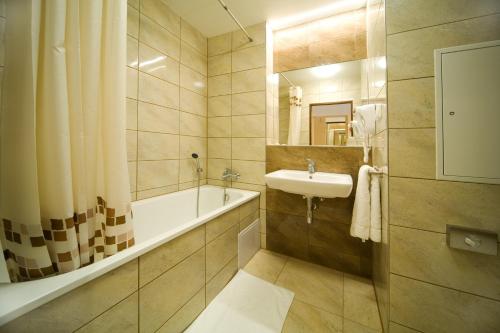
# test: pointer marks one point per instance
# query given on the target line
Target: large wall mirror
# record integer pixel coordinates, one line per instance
(317, 104)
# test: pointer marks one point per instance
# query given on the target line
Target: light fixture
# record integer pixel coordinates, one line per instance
(325, 71)
(335, 8)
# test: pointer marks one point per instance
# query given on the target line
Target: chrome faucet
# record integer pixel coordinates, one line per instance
(311, 167)
(229, 174)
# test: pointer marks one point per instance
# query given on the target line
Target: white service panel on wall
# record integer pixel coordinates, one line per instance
(467, 85)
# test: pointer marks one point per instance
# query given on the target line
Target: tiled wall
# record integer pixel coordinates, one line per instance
(163, 290)
(237, 110)
(434, 288)
(377, 92)
(166, 99)
(330, 40)
(326, 241)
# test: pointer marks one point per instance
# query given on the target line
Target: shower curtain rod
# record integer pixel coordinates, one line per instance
(235, 20)
(290, 82)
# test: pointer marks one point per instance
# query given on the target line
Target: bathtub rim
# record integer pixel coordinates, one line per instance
(51, 288)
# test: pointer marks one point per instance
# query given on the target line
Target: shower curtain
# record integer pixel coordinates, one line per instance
(64, 185)
(295, 115)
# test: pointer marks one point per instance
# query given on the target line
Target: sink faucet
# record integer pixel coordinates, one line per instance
(311, 167)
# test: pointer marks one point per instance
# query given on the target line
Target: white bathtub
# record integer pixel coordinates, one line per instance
(156, 221)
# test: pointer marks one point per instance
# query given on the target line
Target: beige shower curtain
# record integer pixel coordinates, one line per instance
(64, 186)
(295, 115)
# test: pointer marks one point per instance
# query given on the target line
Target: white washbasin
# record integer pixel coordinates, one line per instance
(319, 184)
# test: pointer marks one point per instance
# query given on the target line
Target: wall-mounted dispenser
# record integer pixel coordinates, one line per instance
(467, 83)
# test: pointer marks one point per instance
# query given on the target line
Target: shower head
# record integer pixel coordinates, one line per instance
(194, 155)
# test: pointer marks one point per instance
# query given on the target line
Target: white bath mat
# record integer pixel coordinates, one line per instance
(246, 305)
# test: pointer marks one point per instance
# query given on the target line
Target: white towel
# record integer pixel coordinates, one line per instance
(375, 212)
(366, 213)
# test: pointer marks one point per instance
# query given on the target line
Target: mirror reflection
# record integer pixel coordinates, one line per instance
(317, 104)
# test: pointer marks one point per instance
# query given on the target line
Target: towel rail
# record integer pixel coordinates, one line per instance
(378, 171)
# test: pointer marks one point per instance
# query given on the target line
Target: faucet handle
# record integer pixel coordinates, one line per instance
(310, 161)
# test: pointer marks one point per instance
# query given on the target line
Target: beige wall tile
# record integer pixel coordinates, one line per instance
(133, 3)
(132, 52)
(218, 65)
(219, 127)
(132, 22)
(248, 220)
(123, 317)
(216, 167)
(219, 281)
(132, 172)
(193, 103)
(249, 103)
(426, 256)
(159, 12)
(412, 153)
(81, 305)
(155, 118)
(402, 15)
(131, 83)
(193, 37)
(157, 64)
(159, 260)
(156, 91)
(429, 308)
(219, 148)
(159, 300)
(186, 315)
(131, 114)
(251, 171)
(131, 137)
(193, 125)
(430, 205)
(249, 208)
(249, 149)
(157, 146)
(221, 250)
(187, 175)
(257, 32)
(250, 80)
(249, 58)
(219, 106)
(193, 80)
(157, 191)
(153, 174)
(194, 60)
(219, 44)
(219, 85)
(191, 144)
(159, 38)
(253, 187)
(222, 223)
(411, 103)
(252, 126)
(410, 54)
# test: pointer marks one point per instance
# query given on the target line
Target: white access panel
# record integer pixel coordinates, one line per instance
(467, 85)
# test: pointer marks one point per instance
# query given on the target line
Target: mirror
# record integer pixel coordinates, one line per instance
(316, 105)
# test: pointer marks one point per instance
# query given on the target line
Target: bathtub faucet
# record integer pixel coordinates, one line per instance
(229, 174)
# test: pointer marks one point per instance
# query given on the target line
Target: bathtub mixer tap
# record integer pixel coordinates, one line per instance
(228, 174)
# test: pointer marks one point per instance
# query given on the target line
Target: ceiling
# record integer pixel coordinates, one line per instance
(211, 19)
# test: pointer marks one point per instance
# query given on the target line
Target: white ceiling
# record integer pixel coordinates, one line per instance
(211, 19)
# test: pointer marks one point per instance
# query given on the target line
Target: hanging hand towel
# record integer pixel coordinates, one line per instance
(375, 213)
(360, 226)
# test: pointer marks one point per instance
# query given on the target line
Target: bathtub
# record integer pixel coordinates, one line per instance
(157, 220)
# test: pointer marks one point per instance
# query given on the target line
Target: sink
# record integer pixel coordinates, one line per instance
(319, 184)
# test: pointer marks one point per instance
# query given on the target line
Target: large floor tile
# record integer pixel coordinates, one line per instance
(305, 318)
(314, 284)
(353, 327)
(360, 304)
(266, 265)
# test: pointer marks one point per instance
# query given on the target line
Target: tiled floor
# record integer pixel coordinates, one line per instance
(325, 300)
